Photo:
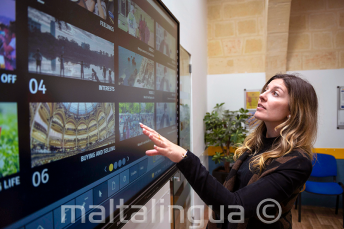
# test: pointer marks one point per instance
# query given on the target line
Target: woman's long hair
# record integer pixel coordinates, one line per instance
(297, 132)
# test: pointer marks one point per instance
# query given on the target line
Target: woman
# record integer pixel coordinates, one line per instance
(274, 161)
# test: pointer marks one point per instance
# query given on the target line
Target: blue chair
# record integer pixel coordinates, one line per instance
(324, 165)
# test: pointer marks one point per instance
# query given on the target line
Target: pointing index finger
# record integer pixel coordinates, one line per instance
(147, 128)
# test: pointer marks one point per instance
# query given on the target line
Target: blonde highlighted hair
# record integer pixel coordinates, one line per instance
(296, 133)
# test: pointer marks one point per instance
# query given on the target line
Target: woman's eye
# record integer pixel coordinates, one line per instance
(275, 93)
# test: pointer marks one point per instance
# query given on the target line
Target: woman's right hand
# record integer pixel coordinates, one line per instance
(163, 146)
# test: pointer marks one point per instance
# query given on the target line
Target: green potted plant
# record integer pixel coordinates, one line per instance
(226, 129)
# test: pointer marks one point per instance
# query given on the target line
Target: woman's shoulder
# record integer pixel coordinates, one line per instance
(300, 154)
(297, 159)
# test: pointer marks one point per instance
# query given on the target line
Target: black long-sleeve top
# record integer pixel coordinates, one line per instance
(279, 185)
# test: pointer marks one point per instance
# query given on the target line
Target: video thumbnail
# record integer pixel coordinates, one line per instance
(61, 130)
(165, 115)
(166, 78)
(9, 151)
(8, 35)
(58, 48)
(101, 8)
(130, 115)
(135, 70)
(165, 42)
(135, 21)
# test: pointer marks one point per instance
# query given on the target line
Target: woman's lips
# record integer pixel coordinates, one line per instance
(260, 107)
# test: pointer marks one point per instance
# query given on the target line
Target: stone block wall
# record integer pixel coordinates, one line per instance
(316, 35)
(236, 41)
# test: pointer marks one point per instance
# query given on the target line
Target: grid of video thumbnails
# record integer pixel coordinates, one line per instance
(77, 42)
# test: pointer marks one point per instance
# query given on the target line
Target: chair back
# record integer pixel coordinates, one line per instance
(324, 165)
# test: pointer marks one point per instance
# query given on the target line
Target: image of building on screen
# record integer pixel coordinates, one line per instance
(166, 78)
(101, 8)
(58, 48)
(135, 70)
(165, 115)
(130, 115)
(7, 35)
(165, 42)
(133, 20)
(9, 151)
(61, 130)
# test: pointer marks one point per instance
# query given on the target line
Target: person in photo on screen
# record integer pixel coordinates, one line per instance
(147, 32)
(82, 75)
(139, 83)
(164, 81)
(94, 75)
(144, 78)
(132, 21)
(110, 79)
(98, 7)
(142, 29)
(274, 161)
(104, 73)
(149, 79)
(164, 47)
(124, 131)
(38, 57)
(131, 80)
(61, 65)
(8, 46)
(165, 118)
(128, 128)
(120, 81)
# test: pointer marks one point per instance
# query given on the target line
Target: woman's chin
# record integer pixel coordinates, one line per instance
(257, 116)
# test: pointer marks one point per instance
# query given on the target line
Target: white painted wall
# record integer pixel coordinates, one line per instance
(192, 16)
(325, 83)
(229, 89)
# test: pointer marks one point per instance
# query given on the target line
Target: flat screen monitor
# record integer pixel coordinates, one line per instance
(85, 74)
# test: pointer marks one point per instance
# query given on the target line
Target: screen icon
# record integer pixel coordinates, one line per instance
(143, 167)
(100, 193)
(113, 185)
(134, 172)
(124, 178)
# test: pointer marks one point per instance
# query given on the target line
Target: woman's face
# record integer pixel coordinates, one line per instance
(273, 104)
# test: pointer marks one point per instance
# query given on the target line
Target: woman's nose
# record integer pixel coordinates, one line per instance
(262, 96)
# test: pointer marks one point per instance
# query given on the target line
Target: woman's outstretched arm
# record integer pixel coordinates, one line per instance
(279, 185)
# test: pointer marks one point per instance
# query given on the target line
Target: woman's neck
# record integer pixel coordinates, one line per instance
(270, 130)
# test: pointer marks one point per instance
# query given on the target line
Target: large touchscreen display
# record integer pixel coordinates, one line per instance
(76, 79)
